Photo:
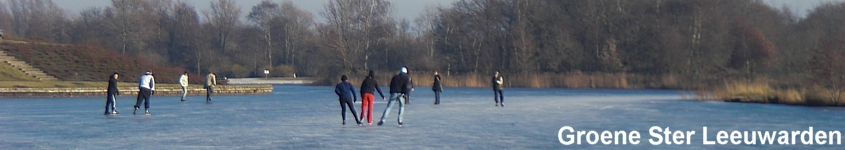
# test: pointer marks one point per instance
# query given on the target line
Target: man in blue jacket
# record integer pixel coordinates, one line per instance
(346, 92)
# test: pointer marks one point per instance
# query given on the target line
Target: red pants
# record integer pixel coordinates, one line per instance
(367, 107)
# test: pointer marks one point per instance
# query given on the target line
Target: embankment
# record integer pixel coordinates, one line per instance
(132, 91)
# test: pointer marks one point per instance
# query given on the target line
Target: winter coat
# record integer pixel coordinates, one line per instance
(497, 83)
(369, 86)
(210, 80)
(345, 90)
(183, 80)
(112, 90)
(147, 82)
(400, 83)
(436, 86)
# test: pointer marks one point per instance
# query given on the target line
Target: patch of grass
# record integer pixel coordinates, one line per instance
(737, 89)
(9, 73)
(790, 96)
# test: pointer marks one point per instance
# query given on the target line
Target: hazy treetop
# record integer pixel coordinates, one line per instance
(408, 9)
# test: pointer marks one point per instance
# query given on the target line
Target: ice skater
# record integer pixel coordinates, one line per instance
(497, 89)
(210, 81)
(367, 87)
(346, 93)
(410, 85)
(110, 95)
(183, 81)
(146, 88)
(398, 88)
(437, 88)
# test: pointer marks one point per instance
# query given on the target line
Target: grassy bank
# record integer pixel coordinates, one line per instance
(9, 73)
(89, 63)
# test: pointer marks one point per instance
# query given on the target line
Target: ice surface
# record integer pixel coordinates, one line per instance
(307, 117)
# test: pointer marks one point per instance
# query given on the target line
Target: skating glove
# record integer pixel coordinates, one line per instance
(153, 93)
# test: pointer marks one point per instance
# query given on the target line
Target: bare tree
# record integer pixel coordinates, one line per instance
(263, 15)
(356, 27)
(297, 28)
(39, 18)
(183, 35)
(125, 19)
(223, 16)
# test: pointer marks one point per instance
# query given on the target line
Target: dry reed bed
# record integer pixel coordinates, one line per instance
(534, 80)
(761, 91)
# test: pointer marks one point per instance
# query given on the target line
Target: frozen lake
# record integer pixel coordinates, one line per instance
(307, 117)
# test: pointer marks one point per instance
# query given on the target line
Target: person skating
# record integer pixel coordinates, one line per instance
(398, 88)
(410, 85)
(346, 94)
(367, 88)
(437, 88)
(183, 81)
(497, 89)
(146, 88)
(111, 92)
(210, 81)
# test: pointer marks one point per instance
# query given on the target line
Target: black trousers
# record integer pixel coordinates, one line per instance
(143, 96)
(344, 102)
(498, 97)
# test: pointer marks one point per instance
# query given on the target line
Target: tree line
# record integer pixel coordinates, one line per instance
(650, 37)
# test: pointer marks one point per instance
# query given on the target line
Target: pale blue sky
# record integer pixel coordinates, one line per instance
(408, 9)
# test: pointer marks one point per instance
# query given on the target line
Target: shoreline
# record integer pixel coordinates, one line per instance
(130, 91)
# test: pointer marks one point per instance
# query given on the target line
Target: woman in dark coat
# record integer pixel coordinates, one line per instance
(437, 88)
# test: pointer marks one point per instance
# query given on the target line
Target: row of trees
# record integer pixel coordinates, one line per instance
(653, 37)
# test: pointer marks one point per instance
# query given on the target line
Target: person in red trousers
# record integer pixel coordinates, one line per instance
(367, 88)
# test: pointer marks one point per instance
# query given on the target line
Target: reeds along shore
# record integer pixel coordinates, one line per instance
(790, 90)
(539, 80)
(765, 90)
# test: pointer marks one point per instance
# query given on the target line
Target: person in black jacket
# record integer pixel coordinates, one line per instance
(437, 88)
(346, 92)
(398, 88)
(110, 94)
(497, 89)
(367, 87)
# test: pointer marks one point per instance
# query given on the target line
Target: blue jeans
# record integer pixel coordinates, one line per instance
(184, 92)
(209, 91)
(398, 98)
(436, 97)
(110, 103)
(498, 97)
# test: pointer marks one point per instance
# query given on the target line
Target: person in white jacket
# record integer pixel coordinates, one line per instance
(183, 80)
(146, 88)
